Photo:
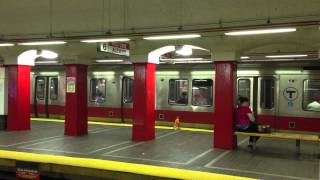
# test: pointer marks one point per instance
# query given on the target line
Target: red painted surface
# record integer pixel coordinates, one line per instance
(104, 112)
(186, 116)
(76, 110)
(144, 102)
(18, 97)
(224, 105)
(267, 120)
(52, 109)
(282, 122)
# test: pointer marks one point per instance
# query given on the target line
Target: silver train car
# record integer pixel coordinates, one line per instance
(287, 97)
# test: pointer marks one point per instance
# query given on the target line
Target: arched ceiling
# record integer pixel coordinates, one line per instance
(74, 19)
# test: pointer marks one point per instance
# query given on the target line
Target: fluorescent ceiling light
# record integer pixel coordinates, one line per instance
(180, 62)
(46, 62)
(104, 73)
(260, 31)
(245, 72)
(108, 60)
(6, 44)
(244, 57)
(49, 73)
(167, 72)
(105, 40)
(48, 54)
(178, 36)
(195, 47)
(184, 51)
(42, 43)
(287, 56)
(183, 59)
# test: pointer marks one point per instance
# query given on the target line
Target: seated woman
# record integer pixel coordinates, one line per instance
(245, 120)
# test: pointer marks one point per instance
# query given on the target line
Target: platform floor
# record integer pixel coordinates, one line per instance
(273, 159)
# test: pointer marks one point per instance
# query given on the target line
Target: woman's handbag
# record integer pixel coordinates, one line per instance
(264, 128)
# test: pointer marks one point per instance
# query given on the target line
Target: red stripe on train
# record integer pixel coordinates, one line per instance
(282, 122)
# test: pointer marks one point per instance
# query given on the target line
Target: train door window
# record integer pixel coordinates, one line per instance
(54, 88)
(311, 95)
(202, 92)
(127, 90)
(40, 88)
(267, 93)
(98, 90)
(244, 88)
(178, 91)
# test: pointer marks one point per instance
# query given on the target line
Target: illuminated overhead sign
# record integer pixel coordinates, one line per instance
(119, 48)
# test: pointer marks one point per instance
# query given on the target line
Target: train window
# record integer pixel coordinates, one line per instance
(178, 91)
(244, 88)
(202, 92)
(40, 88)
(311, 95)
(98, 90)
(54, 88)
(267, 94)
(127, 90)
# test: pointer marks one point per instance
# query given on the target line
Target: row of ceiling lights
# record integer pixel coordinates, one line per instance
(184, 50)
(160, 37)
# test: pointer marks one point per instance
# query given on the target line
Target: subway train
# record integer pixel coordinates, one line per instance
(286, 97)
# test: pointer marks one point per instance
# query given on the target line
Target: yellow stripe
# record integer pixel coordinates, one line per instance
(150, 170)
(123, 124)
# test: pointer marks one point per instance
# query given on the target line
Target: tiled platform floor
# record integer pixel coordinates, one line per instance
(273, 159)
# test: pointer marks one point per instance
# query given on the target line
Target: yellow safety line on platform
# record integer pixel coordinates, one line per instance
(123, 124)
(150, 170)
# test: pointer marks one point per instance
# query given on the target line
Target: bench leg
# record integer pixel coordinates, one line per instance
(298, 147)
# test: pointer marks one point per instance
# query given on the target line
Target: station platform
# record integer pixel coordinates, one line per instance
(108, 152)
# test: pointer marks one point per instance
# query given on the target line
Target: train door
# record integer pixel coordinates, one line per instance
(261, 92)
(126, 95)
(46, 92)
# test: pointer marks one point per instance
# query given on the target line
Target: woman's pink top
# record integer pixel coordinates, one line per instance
(242, 115)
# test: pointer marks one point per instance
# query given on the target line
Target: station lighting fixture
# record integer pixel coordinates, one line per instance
(192, 62)
(260, 31)
(244, 57)
(37, 43)
(183, 59)
(46, 62)
(287, 56)
(6, 44)
(168, 37)
(49, 73)
(103, 73)
(184, 51)
(48, 54)
(105, 40)
(108, 60)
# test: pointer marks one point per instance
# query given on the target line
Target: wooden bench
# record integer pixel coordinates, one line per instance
(281, 135)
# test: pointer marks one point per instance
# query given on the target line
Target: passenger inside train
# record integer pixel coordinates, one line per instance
(201, 98)
(245, 120)
(183, 99)
(314, 106)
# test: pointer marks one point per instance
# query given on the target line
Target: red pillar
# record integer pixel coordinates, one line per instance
(18, 97)
(76, 108)
(144, 102)
(225, 86)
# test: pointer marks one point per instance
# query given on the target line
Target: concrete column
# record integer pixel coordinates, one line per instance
(225, 87)
(144, 102)
(76, 107)
(18, 97)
